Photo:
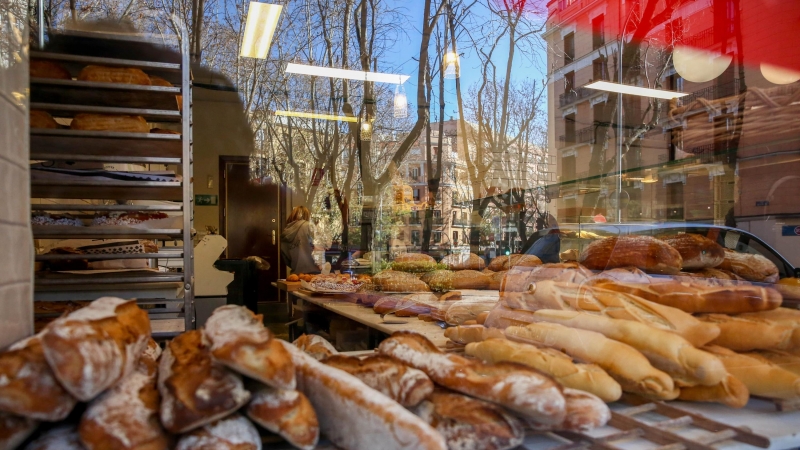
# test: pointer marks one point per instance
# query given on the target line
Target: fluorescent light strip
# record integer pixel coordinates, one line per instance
(306, 115)
(634, 90)
(262, 20)
(317, 71)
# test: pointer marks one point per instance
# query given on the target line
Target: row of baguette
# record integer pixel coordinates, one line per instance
(94, 379)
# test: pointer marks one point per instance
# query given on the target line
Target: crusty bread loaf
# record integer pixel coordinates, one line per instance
(647, 253)
(730, 392)
(586, 377)
(63, 437)
(716, 274)
(403, 384)
(352, 415)
(743, 334)
(502, 317)
(750, 266)
(42, 119)
(102, 74)
(666, 351)
(782, 359)
(315, 346)
(125, 417)
(624, 363)
(158, 81)
(234, 432)
(521, 389)
(397, 281)
(41, 68)
(596, 300)
(466, 310)
(439, 280)
(470, 279)
(287, 413)
(471, 424)
(29, 388)
(109, 122)
(505, 262)
(759, 375)
(781, 316)
(94, 347)
(465, 334)
(14, 430)
(463, 261)
(697, 252)
(519, 278)
(413, 262)
(240, 341)
(401, 307)
(585, 411)
(195, 390)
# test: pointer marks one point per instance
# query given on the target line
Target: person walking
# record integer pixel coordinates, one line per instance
(297, 241)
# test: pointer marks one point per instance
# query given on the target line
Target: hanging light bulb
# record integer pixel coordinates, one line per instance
(452, 65)
(400, 102)
(366, 130)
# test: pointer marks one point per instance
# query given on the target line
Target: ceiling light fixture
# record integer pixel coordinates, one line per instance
(331, 72)
(779, 75)
(634, 90)
(262, 20)
(697, 65)
(400, 102)
(307, 115)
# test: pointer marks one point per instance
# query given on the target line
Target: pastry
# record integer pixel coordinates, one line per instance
(287, 413)
(750, 266)
(316, 346)
(403, 384)
(463, 261)
(647, 253)
(40, 68)
(125, 75)
(413, 262)
(234, 432)
(42, 119)
(109, 122)
(697, 252)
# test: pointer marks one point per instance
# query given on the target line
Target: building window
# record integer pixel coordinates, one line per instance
(437, 213)
(569, 82)
(455, 237)
(415, 237)
(416, 195)
(599, 71)
(437, 236)
(569, 48)
(598, 32)
(568, 168)
(569, 129)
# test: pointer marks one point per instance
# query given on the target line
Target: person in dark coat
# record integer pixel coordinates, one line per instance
(546, 244)
(297, 242)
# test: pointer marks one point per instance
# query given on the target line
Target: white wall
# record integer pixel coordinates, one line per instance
(769, 230)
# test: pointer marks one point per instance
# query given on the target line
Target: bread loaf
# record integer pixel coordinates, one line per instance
(596, 300)
(403, 384)
(125, 417)
(505, 262)
(586, 377)
(401, 307)
(194, 389)
(750, 266)
(718, 275)
(781, 316)
(647, 253)
(42, 119)
(743, 334)
(789, 287)
(63, 437)
(784, 360)
(354, 416)
(287, 413)
(125, 75)
(315, 346)
(397, 281)
(413, 262)
(502, 317)
(666, 351)
(40, 68)
(240, 341)
(470, 279)
(585, 411)
(439, 280)
(94, 347)
(518, 388)
(471, 424)
(496, 279)
(465, 310)
(465, 334)
(109, 122)
(730, 392)
(14, 430)
(759, 375)
(624, 363)
(697, 252)
(463, 261)
(518, 279)
(234, 432)
(28, 387)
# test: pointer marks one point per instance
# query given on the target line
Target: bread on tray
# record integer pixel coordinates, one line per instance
(42, 119)
(398, 281)
(42, 68)
(109, 122)
(103, 74)
(760, 375)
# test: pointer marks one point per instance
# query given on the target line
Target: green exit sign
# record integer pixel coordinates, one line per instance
(205, 200)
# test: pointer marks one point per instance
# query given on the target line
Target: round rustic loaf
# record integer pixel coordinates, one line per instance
(750, 266)
(397, 281)
(647, 253)
(470, 279)
(413, 262)
(463, 261)
(697, 252)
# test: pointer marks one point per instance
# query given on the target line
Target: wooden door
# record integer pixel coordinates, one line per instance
(250, 219)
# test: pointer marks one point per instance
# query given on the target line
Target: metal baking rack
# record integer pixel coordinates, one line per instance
(168, 296)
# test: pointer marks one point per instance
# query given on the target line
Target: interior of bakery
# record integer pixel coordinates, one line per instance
(424, 224)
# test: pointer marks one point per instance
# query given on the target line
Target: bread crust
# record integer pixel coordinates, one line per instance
(730, 392)
(647, 253)
(42, 119)
(287, 413)
(518, 279)
(761, 376)
(470, 279)
(403, 384)
(750, 266)
(14, 430)
(463, 261)
(697, 252)
(465, 334)
(465, 310)
(109, 122)
(41, 68)
(315, 346)
(398, 281)
(743, 334)
(413, 262)
(103, 74)
(234, 432)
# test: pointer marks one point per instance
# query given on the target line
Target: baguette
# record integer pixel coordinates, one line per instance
(464, 334)
(240, 341)
(354, 416)
(784, 360)
(92, 348)
(463, 311)
(585, 412)
(195, 390)
(315, 346)
(586, 377)
(730, 392)
(596, 300)
(781, 316)
(413, 262)
(502, 317)
(231, 433)
(471, 424)
(403, 384)
(624, 363)
(647, 253)
(287, 413)
(743, 334)
(666, 351)
(398, 281)
(759, 375)
(14, 430)
(28, 387)
(526, 391)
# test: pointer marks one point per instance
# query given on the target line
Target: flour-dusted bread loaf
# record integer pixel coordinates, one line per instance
(239, 340)
(316, 346)
(760, 375)
(42, 68)
(64, 437)
(413, 262)
(470, 279)
(125, 417)
(94, 347)
(29, 387)
(109, 122)
(398, 281)
(750, 266)
(585, 411)
(234, 432)
(42, 119)
(195, 390)
(401, 383)
(697, 252)
(287, 413)
(647, 253)
(730, 392)
(521, 389)
(586, 377)
(463, 261)
(352, 415)
(14, 430)
(103, 74)
(471, 424)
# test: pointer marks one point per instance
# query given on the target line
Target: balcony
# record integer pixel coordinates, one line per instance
(576, 95)
(582, 136)
(415, 221)
(712, 92)
(460, 223)
(703, 39)
(438, 221)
